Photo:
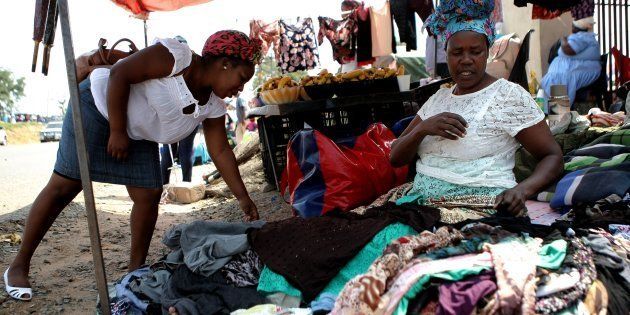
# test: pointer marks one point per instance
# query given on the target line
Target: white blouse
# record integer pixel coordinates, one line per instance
(154, 111)
(485, 156)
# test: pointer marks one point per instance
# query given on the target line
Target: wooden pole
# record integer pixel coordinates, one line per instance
(88, 193)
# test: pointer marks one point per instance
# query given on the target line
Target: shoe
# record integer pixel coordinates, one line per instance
(15, 292)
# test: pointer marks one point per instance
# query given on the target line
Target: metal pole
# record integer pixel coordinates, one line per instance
(88, 193)
(146, 42)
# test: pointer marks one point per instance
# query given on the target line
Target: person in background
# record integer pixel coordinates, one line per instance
(466, 136)
(159, 94)
(578, 62)
(252, 126)
(435, 61)
(241, 111)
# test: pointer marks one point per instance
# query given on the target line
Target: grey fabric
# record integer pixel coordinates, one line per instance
(607, 256)
(151, 284)
(206, 246)
(193, 294)
(284, 300)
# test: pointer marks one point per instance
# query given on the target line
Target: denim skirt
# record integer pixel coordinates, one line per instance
(140, 169)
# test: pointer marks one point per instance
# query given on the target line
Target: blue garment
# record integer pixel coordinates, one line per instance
(575, 71)
(123, 291)
(140, 169)
(184, 150)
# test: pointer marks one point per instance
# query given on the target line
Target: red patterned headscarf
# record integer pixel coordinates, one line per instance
(233, 44)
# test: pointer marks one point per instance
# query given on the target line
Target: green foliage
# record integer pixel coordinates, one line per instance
(268, 69)
(11, 90)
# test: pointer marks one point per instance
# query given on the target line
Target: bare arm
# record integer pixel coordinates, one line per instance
(149, 63)
(566, 47)
(447, 125)
(540, 143)
(223, 157)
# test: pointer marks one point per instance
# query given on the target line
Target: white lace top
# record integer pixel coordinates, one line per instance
(154, 111)
(485, 156)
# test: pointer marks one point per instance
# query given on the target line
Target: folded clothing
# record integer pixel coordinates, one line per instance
(291, 247)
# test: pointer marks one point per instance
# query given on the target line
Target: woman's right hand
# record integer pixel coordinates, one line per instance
(448, 125)
(118, 145)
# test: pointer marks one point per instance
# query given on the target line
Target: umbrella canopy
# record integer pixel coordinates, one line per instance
(141, 8)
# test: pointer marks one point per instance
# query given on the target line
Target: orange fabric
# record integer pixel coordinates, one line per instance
(141, 8)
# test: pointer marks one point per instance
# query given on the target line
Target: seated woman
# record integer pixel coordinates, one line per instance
(577, 64)
(466, 136)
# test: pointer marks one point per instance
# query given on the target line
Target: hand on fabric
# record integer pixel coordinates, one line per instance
(118, 145)
(447, 125)
(249, 208)
(511, 201)
(172, 311)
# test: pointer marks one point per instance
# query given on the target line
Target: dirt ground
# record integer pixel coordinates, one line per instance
(62, 271)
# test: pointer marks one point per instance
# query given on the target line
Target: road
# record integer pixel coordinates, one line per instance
(24, 171)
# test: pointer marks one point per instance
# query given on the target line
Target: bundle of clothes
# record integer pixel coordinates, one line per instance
(389, 260)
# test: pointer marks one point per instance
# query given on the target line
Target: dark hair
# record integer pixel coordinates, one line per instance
(235, 62)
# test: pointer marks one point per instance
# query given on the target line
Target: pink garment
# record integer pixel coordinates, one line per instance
(269, 35)
(141, 8)
(418, 269)
(381, 24)
(363, 294)
(515, 269)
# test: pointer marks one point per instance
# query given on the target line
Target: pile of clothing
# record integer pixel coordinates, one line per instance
(388, 260)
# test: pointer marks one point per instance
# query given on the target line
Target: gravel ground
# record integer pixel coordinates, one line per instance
(62, 271)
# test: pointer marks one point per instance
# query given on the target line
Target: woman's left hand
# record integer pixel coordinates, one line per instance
(511, 201)
(249, 208)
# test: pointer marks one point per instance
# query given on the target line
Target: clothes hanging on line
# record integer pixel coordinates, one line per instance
(298, 49)
(406, 22)
(268, 33)
(342, 35)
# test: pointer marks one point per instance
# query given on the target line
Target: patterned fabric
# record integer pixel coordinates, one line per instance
(268, 34)
(584, 9)
(515, 269)
(582, 260)
(453, 16)
(362, 294)
(342, 35)
(233, 44)
(298, 49)
(243, 270)
(497, 13)
(391, 196)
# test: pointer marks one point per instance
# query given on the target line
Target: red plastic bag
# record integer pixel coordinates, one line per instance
(322, 176)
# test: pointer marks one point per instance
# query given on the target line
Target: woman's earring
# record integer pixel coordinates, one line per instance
(224, 67)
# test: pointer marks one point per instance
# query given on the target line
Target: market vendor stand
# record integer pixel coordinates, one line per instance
(339, 118)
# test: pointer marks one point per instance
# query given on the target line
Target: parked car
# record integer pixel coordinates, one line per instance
(3, 136)
(52, 132)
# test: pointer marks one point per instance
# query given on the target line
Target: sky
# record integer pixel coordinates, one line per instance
(93, 19)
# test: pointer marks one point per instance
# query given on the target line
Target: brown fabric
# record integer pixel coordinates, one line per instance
(102, 57)
(310, 252)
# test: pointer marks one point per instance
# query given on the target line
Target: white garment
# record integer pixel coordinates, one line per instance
(485, 156)
(154, 110)
(430, 60)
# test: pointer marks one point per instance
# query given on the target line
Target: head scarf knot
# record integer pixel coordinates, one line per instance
(453, 16)
(233, 44)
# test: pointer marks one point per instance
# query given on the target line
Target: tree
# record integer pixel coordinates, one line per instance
(268, 69)
(11, 91)
(61, 104)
